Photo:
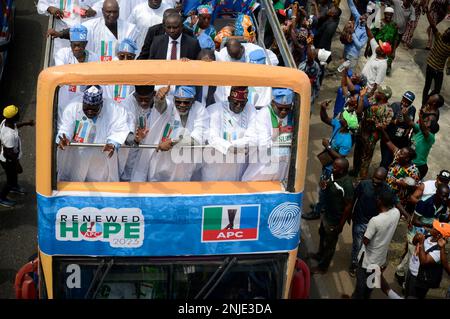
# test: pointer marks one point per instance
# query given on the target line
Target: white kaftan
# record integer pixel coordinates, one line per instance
(270, 162)
(227, 130)
(90, 164)
(67, 93)
(179, 164)
(136, 117)
(72, 16)
(145, 17)
(103, 42)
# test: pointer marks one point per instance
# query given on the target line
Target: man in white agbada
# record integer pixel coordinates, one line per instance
(143, 112)
(146, 15)
(232, 128)
(274, 125)
(94, 120)
(106, 32)
(67, 14)
(185, 123)
(76, 53)
(126, 50)
(234, 51)
(259, 96)
(127, 6)
(250, 53)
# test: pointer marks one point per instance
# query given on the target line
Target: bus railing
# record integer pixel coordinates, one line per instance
(151, 146)
(49, 45)
(269, 12)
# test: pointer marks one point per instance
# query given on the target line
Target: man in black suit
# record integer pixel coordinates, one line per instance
(173, 45)
(158, 29)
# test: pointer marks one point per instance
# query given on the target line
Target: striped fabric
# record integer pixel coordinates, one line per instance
(439, 53)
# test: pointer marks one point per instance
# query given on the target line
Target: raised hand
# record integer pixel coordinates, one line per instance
(63, 141)
(141, 133)
(57, 13)
(162, 92)
(109, 148)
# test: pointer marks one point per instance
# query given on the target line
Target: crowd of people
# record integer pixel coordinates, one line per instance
(235, 123)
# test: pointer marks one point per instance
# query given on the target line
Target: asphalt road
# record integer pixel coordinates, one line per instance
(18, 236)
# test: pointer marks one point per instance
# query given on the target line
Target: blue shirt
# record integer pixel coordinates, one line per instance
(340, 100)
(340, 142)
(359, 35)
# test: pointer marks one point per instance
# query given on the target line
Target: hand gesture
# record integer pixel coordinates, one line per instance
(194, 19)
(420, 238)
(165, 146)
(401, 183)
(89, 13)
(303, 11)
(363, 91)
(109, 148)
(325, 142)
(53, 33)
(162, 92)
(325, 104)
(141, 133)
(57, 13)
(442, 242)
(30, 123)
(63, 142)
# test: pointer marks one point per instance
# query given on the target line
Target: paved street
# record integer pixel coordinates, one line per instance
(18, 226)
(408, 73)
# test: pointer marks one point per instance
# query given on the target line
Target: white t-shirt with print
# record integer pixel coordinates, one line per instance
(380, 231)
(10, 139)
(414, 262)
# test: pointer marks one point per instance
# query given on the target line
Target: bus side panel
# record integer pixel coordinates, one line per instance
(169, 226)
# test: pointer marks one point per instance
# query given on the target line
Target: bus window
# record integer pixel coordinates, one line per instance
(246, 136)
(243, 277)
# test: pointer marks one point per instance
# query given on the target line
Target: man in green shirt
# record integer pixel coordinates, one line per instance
(422, 140)
(338, 193)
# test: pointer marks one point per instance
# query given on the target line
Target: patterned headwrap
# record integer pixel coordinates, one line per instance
(205, 9)
(127, 45)
(257, 57)
(93, 95)
(239, 93)
(78, 33)
(244, 26)
(185, 92)
(206, 42)
(283, 96)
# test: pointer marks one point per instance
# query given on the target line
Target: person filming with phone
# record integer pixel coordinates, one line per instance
(338, 145)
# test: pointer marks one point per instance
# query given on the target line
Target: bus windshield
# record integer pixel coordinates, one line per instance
(219, 277)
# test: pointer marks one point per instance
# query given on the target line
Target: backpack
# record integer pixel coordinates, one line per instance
(430, 276)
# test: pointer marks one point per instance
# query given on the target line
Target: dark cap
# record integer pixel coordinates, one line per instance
(444, 175)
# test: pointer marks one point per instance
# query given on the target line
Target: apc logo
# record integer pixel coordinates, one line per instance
(230, 223)
(121, 228)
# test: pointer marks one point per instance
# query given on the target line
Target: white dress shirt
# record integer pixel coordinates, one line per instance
(169, 47)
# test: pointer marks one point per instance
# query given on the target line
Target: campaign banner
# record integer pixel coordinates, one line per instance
(124, 225)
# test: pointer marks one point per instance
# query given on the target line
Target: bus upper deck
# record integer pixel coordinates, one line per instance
(188, 239)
